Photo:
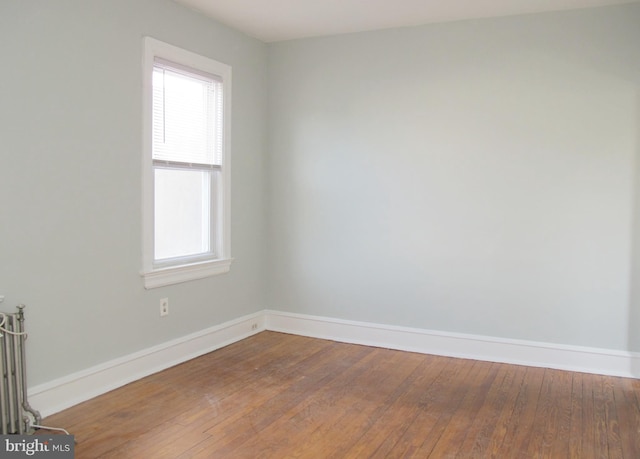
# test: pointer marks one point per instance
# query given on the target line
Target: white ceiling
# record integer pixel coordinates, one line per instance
(277, 20)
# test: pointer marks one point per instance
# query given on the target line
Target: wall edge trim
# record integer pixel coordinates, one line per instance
(62, 393)
(477, 347)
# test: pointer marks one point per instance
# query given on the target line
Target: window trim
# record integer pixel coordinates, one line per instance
(158, 275)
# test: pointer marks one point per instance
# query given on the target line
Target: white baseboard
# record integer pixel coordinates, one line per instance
(70, 390)
(519, 352)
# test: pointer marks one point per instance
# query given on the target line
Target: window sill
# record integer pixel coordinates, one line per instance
(185, 273)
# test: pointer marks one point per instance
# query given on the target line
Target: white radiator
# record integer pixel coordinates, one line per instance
(17, 416)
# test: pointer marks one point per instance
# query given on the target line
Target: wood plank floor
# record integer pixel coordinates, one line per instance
(278, 396)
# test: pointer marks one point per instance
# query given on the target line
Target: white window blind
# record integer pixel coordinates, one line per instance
(187, 116)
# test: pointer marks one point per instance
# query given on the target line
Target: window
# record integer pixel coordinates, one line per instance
(185, 165)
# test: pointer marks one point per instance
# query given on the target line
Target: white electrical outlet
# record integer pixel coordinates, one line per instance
(254, 326)
(164, 307)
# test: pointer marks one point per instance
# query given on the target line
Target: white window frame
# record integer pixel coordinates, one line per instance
(158, 274)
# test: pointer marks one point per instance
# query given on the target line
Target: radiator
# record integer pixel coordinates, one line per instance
(17, 415)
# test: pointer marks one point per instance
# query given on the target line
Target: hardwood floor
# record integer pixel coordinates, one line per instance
(277, 396)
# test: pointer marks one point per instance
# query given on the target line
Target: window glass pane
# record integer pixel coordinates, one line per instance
(182, 212)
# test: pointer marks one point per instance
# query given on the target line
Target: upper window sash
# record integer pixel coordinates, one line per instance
(188, 122)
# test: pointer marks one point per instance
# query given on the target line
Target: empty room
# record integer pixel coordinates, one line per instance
(321, 228)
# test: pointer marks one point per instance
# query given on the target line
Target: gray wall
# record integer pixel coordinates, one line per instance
(474, 177)
(70, 179)
(477, 177)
